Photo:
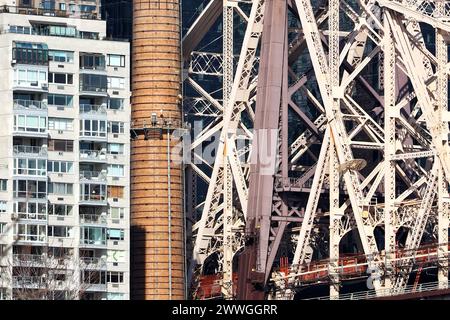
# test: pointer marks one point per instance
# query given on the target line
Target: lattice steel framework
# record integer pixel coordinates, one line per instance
(332, 119)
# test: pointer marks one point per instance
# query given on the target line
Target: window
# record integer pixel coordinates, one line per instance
(60, 145)
(115, 191)
(60, 56)
(62, 6)
(60, 31)
(114, 277)
(60, 231)
(93, 235)
(60, 78)
(3, 184)
(115, 170)
(114, 296)
(29, 189)
(31, 232)
(115, 104)
(60, 166)
(92, 61)
(93, 82)
(93, 128)
(60, 124)
(3, 206)
(116, 83)
(31, 210)
(115, 234)
(60, 100)
(92, 192)
(2, 228)
(30, 123)
(116, 127)
(30, 53)
(60, 188)
(116, 213)
(116, 60)
(20, 29)
(29, 167)
(60, 209)
(115, 148)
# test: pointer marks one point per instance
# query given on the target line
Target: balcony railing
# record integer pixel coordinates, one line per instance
(22, 259)
(93, 175)
(93, 262)
(28, 281)
(93, 242)
(93, 109)
(30, 150)
(29, 104)
(92, 15)
(92, 219)
(93, 155)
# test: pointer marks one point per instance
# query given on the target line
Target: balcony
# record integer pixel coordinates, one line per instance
(93, 111)
(93, 155)
(30, 85)
(93, 219)
(28, 260)
(29, 282)
(93, 199)
(93, 84)
(93, 263)
(94, 287)
(95, 176)
(30, 151)
(35, 105)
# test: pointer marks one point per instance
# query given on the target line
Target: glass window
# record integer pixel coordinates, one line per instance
(115, 234)
(93, 235)
(60, 124)
(116, 60)
(115, 104)
(60, 209)
(115, 170)
(116, 127)
(60, 56)
(3, 206)
(3, 184)
(60, 100)
(116, 83)
(115, 148)
(60, 166)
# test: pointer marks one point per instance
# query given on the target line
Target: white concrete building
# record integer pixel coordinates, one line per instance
(64, 153)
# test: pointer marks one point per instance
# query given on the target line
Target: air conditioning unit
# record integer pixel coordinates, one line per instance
(13, 61)
(32, 215)
(60, 131)
(14, 216)
(44, 86)
(60, 153)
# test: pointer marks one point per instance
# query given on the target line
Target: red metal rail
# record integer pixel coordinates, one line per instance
(349, 266)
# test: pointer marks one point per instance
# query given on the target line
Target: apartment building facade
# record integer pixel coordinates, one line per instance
(64, 153)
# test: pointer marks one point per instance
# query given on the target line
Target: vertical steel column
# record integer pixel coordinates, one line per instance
(390, 113)
(227, 281)
(442, 107)
(333, 60)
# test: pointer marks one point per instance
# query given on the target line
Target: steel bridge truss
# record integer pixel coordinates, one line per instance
(331, 118)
